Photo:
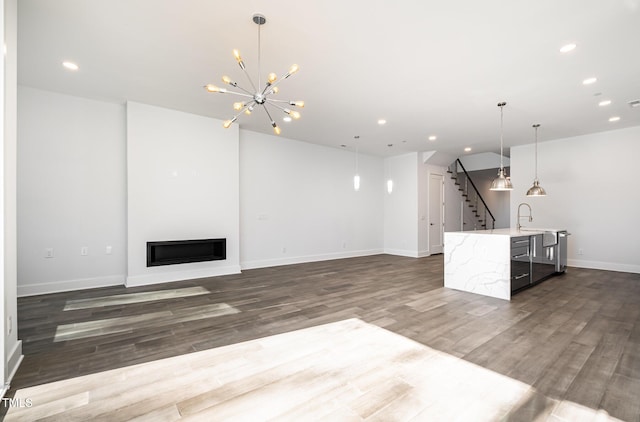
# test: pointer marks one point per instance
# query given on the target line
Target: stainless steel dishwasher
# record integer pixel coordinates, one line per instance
(549, 255)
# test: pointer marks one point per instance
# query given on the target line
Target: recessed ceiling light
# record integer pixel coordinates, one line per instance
(604, 103)
(286, 119)
(433, 137)
(70, 65)
(467, 149)
(589, 81)
(568, 47)
(614, 118)
(382, 121)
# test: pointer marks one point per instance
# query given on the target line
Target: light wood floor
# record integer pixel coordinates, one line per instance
(574, 339)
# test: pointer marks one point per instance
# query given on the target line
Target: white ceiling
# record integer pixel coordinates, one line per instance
(427, 67)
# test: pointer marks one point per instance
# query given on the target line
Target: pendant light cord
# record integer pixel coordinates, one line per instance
(536, 153)
(501, 132)
(259, 68)
(536, 126)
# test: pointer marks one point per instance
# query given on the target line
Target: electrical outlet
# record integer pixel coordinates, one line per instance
(48, 253)
(108, 250)
(284, 250)
(84, 251)
(9, 325)
(580, 252)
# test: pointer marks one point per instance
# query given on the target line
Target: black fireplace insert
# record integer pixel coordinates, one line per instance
(184, 251)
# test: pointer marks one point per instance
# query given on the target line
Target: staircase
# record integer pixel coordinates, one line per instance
(476, 214)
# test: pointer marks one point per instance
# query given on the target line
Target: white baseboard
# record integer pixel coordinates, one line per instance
(402, 252)
(264, 263)
(14, 359)
(148, 279)
(69, 285)
(607, 266)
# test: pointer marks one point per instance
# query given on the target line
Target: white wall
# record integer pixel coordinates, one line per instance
(483, 161)
(592, 191)
(298, 203)
(182, 183)
(9, 344)
(401, 206)
(71, 185)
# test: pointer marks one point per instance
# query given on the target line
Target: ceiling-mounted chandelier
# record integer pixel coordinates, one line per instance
(260, 95)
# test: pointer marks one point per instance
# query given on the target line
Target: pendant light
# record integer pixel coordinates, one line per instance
(502, 182)
(536, 189)
(356, 178)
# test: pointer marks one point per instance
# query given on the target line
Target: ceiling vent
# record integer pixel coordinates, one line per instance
(634, 103)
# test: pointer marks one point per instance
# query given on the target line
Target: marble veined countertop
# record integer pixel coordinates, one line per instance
(511, 232)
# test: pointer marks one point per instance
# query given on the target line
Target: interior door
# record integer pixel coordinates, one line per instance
(436, 213)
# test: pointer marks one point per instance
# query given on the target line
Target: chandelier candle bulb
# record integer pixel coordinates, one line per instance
(236, 54)
(227, 80)
(293, 69)
(272, 78)
(213, 88)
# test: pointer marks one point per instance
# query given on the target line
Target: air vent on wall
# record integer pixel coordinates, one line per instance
(634, 103)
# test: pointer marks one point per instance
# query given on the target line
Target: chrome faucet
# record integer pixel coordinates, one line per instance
(530, 216)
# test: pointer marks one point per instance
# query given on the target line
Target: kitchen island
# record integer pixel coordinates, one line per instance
(501, 262)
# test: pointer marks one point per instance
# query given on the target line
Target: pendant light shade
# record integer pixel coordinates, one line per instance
(502, 182)
(536, 189)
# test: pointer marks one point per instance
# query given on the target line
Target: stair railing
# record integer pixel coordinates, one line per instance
(478, 196)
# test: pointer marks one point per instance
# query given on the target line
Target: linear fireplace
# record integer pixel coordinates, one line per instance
(185, 251)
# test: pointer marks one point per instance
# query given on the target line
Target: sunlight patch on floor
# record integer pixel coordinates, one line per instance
(128, 298)
(348, 370)
(154, 319)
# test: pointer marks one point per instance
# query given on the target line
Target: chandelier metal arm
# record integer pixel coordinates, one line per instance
(249, 93)
(249, 78)
(291, 103)
(270, 101)
(238, 93)
(268, 114)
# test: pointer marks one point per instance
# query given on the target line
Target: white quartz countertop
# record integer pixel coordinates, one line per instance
(511, 232)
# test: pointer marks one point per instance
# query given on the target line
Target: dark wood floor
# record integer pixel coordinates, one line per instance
(574, 337)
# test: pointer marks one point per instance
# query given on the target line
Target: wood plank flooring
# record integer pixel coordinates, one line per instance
(575, 338)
